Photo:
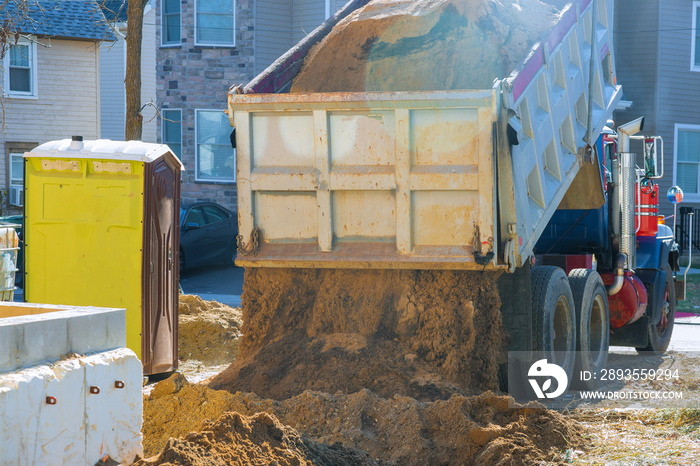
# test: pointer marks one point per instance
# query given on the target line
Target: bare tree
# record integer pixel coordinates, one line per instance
(132, 82)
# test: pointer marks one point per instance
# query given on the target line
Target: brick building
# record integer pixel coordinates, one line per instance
(204, 47)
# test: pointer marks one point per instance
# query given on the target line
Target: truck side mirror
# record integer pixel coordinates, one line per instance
(650, 158)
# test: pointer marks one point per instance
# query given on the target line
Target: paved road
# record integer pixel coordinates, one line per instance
(215, 282)
(686, 334)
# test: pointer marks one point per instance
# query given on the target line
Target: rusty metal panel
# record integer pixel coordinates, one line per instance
(286, 216)
(347, 150)
(372, 180)
(282, 140)
(355, 222)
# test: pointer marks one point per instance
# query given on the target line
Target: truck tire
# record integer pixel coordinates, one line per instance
(553, 317)
(660, 332)
(592, 320)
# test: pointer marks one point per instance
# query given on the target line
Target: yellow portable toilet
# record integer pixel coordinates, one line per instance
(101, 228)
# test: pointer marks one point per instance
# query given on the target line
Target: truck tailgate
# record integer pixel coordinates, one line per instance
(368, 180)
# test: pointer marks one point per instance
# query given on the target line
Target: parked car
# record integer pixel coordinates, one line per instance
(207, 235)
(15, 220)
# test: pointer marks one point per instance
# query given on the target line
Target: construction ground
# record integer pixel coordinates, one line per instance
(342, 399)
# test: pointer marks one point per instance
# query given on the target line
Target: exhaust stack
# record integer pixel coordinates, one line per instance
(623, 202)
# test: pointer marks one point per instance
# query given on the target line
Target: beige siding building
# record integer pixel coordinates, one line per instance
(51, 85)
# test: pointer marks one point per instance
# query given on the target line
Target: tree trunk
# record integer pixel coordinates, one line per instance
(132, 82)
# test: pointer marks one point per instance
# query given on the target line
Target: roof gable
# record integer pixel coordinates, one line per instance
(61, 19)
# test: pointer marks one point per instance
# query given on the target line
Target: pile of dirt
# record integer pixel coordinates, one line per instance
(235, 439)
(389, 355)
(318, 328)
(208, 330)
(420, 45)
(176, 408)
(399, 430)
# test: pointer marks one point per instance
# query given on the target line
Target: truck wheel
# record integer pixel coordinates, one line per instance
(593, 320)
(660, 332)
(553, 317)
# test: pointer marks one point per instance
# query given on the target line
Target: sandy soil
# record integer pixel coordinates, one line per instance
(384, 330)
(397, 430)
(209, 331)
(440, 423)
(419, 45)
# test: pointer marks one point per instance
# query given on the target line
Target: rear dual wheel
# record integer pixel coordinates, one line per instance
(593, 319)
(553, 317)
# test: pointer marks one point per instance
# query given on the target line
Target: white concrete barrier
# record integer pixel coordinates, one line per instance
(70, 393)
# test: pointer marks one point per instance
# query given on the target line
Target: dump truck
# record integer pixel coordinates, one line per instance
(524, 185)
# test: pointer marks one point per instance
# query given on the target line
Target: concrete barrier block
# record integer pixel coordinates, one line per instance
(43, 338)
(95, 329)
(124, 440)
(60, 427)
(76, 425)
(8, 339)
(9, 427)
(36, 338)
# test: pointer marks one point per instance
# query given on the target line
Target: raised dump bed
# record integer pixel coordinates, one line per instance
(424, 179)
(70, 392)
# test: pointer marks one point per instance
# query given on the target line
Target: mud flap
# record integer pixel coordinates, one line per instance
(655, 283)
(635, 335)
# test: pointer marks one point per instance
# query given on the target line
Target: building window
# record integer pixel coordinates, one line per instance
(215, 158)
(170, 25)
(695, 38)
(215, 22)
(16, 179)
(687, 160)
(20, 70)
(171, 127)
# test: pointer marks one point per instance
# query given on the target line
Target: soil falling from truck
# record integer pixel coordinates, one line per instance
(426, 45)
(383, 330)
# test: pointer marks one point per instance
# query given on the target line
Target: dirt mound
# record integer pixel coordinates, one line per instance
(416, 45)
(398, 430)
(448, 319)
(208, 330)
(261, 439)
(183, 410)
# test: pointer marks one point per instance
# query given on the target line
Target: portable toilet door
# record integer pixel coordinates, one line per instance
(102, 229)
(161, 244)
